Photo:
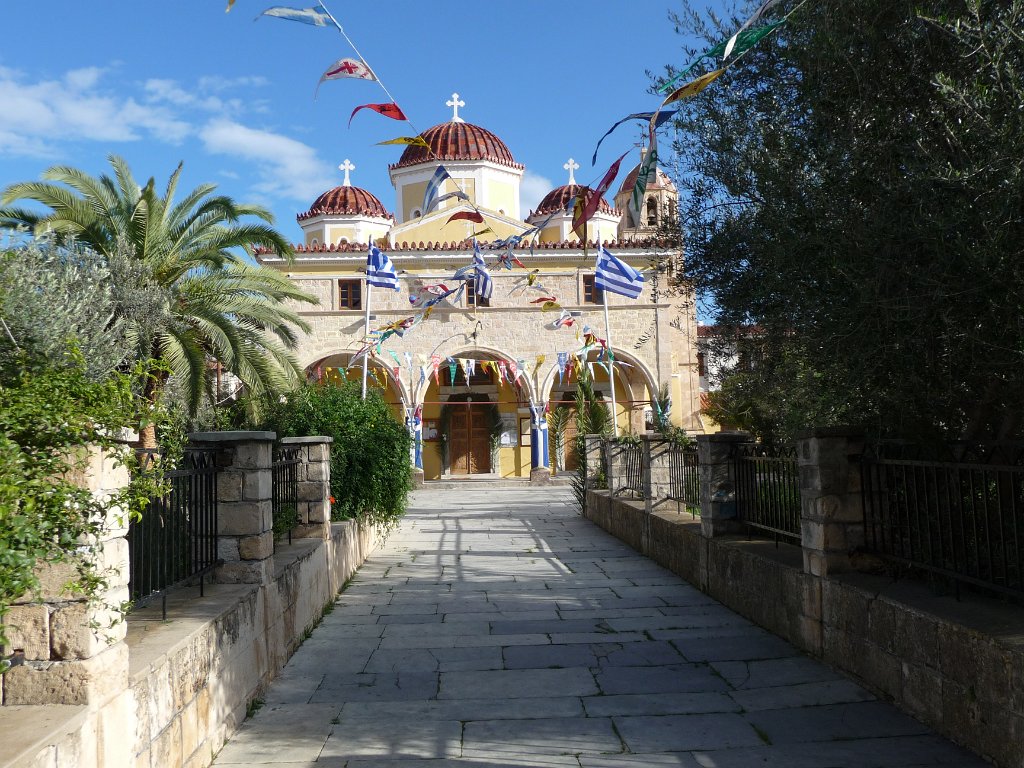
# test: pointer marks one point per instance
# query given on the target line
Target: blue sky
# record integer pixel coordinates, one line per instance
(164, 82)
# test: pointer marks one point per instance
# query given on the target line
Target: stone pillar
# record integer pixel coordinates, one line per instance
(314, 486)
(718, 482)
(67, 650)
(831, 504)
(245, 524)
(593, 447)
(657, 473)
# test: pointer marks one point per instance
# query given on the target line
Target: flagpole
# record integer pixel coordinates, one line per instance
(366, 329)
(608, 341)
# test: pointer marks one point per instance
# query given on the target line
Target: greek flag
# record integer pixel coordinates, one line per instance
(312, 16)
(484, 286)
(612, 274)
(433, 186)
(379, 269)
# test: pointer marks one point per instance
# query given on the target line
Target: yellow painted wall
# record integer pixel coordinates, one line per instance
(437, 231)
(510, 461)
(466, 185)
(412, 194)
(550, 235)
(412, 197)
(501, 197)
(337, 233)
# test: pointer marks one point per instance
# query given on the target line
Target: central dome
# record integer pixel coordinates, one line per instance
(458, 141)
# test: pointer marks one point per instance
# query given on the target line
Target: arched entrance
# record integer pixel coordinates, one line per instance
(476, 411)
(387, 381)
(633, 392)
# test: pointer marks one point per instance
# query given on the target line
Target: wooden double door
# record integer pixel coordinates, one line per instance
(469, 434)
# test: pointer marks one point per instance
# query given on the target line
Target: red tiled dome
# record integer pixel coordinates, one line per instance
(557, 199)
(661, 181)
(346, 201)
(458, 141)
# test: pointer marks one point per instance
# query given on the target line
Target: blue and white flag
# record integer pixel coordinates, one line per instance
(612, 274)
(379, 269)
(433, 186)
(483, 286)
(312, 16)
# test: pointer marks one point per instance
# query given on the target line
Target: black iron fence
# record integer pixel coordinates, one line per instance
(284, 470)
(629, 471)
(955, 510)
(768, 489)
(684, 477)
(175, 539)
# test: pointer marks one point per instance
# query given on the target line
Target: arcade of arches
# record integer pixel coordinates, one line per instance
(483, 426)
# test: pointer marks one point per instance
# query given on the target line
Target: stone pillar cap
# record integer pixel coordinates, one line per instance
(307, 440)
(238, 436)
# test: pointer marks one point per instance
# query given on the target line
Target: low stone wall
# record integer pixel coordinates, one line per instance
(956, 666)
(192, 677)
(168, 693)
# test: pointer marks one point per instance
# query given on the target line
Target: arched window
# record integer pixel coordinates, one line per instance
(314, 243)
(342, 240)
(652, 213)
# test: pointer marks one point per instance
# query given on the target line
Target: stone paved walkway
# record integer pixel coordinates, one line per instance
(499, 628)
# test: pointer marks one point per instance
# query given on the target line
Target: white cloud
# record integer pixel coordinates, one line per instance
(199, 97)
(83, 79)
(37, 116)
(532, 189)
(286, 167)
(217, 83)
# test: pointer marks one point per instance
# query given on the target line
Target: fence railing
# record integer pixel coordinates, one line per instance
(175, 539)
(768, 489)
(956, 510)
(629, 472)
(285, 504)
(684, 477)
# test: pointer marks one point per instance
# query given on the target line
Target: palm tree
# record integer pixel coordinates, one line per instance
(202, 300)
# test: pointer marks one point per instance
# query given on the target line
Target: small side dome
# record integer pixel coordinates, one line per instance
(346, 201)
(557, 199)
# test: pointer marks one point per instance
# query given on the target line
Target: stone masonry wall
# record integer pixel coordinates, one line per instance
(956, 666)
(169, 693)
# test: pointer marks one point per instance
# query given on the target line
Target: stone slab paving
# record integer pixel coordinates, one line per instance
(498, 628)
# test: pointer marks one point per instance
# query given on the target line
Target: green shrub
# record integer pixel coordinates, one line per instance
(370, 469)
(47, 415)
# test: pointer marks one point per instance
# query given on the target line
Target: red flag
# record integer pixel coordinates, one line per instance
(390, 109)
(586, 206)
(468, 216)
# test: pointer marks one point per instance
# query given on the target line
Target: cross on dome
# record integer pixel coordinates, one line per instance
(346, 167)
(571, 166)
(455, 102)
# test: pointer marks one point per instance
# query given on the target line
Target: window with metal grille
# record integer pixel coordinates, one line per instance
(350, 294)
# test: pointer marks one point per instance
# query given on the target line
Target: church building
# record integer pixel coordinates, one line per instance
(480, 380)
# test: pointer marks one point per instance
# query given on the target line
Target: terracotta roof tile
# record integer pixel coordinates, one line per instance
(458, 141)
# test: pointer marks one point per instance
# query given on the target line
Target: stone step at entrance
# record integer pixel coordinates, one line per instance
(485, 481)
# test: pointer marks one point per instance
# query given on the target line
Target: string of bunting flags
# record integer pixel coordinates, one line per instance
(612, 275)
(730, 50)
